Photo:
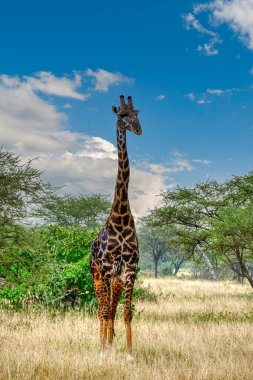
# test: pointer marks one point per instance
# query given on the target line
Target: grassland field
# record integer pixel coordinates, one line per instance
(186, 330)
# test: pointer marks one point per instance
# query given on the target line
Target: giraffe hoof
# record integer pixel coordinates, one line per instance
(102, 356)
(130, 359)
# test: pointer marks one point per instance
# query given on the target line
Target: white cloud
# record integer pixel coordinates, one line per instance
(174, 166)
(194, 98)
(103, 79)
(28, 121)
(160, 97)
(181, 165)
(47, 83)
(191, 96)
(236, 14)
(209, 48)
(207, 96)
(199, 8)
(176, 153)
(34, 127)
(215, 91)
(191, 22)
(156, 168)
(202, 101)
(92, 167)
(205, 162)
(67, 106)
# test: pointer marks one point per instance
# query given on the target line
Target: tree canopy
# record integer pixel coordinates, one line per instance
(214, 217)
(81, 210)
(21, 192)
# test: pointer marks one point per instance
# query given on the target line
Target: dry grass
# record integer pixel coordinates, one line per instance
(197, 330)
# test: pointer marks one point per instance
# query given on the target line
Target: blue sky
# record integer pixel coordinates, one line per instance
(188, 66)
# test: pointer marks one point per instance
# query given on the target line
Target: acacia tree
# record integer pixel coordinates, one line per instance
(202, 213)
(163, 244)
(153, 244)
(21, 192)
(80, 210)
(232, 239)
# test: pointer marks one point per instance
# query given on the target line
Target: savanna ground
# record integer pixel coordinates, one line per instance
(191, 330)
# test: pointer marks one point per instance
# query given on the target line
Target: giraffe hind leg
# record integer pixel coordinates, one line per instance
(128, 317)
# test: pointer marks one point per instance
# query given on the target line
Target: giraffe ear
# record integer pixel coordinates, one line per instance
(114, 110)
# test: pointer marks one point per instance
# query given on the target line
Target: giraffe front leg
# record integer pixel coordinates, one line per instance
(128, 318)
(116, 290)
(99, 292)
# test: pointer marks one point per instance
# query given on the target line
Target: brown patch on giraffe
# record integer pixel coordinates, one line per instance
(126, 219)
(124, 194)
(123, 210)
(125, 174)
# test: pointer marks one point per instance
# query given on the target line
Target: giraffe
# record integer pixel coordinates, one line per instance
(114, 252)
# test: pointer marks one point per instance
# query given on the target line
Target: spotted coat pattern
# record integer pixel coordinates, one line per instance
(114, 252)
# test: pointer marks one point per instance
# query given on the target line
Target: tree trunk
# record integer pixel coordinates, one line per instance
(244, 270)
(237, 273)
(156, 268)
(211, 269)
(247, 274)
(177, 266)
(250, 279)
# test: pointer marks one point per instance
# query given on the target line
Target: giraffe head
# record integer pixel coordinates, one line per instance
(127, 116)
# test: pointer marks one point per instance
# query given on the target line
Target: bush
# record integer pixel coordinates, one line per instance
(54, 273)
(50, 268)
(144, 293)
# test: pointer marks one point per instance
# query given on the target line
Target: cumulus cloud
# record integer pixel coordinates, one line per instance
(174, 166)
(103, 79)
(28, 121)
(34, 127)
(236, 14)
(181, 165)
(47, 83)
(155, 168)
(31, 125)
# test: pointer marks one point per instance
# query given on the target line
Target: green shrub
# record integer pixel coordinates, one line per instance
(51, 269)
(54, 273)
(144, 293)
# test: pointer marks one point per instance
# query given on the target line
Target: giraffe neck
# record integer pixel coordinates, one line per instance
(120, 202)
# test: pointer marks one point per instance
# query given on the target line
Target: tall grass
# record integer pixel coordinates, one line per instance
(191, 330)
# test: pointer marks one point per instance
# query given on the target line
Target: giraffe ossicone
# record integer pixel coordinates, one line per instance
(114, 252)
